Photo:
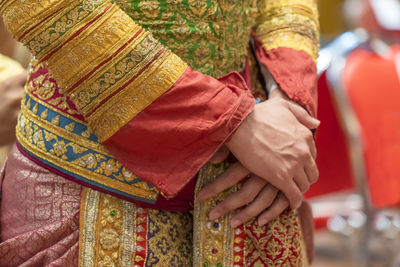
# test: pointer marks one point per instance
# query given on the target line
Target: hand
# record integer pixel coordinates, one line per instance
(11, 92)
(275, 143)
(220, 155)
(258, 197)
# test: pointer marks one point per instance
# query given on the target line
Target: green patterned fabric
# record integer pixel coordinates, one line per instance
(210, 35)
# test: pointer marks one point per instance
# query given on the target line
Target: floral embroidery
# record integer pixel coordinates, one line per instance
(71, 148)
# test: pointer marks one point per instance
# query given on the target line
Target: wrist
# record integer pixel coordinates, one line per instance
(278, 93)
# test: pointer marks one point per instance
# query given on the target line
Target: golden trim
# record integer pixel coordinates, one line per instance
(107, 33)
(52, 128)
(289, 23)
(134, 189)
(107, 230)
(125, 105)
(87, 235)
(87, 88)
(209, 236)
(19, 15)
(54, 31)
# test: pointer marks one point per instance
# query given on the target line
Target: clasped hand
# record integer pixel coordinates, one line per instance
(275, 149)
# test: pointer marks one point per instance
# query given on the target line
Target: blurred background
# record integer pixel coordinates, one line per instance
(355, 202)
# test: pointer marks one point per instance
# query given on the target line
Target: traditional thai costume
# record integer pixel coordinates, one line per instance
(115, 126)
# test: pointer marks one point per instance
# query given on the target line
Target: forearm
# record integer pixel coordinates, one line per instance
(286, 41)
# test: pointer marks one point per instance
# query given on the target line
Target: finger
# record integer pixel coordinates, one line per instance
(278, 206)
(303, 117)
(245, 195)
(311, 170)
(230, 177)
(293, 194)
(220, 155)
(264, 199)
(313, 149)
(302, 181)
(309, 138)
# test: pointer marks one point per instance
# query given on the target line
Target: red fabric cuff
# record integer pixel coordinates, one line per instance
(294, 71)
(169, 141)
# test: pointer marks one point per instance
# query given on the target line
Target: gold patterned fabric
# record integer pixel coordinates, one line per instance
(289, 23)
(211, 36)
(114, 232)
(91, 47)
(51, 130)
(217, 244)
(108, 65)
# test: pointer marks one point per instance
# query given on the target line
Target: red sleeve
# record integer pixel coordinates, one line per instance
(170, 140)
(293, 70)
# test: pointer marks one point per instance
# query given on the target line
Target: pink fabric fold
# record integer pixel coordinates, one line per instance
(39, 215)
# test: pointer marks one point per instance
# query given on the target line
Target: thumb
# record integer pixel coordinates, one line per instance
(220, 155)
(303, 117)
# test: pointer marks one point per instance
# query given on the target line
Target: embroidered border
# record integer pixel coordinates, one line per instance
(290, 23)
(66, 144)
(112, 231)
(94, 42)
(213, 241)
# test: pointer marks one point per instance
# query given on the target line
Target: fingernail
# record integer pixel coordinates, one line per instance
(235, 223)
(317, 121)
(202, 196)
(214, 215)
(262, 222)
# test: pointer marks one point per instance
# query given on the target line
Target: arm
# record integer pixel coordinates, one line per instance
(274, 145)
(158, 117)
(286, 41)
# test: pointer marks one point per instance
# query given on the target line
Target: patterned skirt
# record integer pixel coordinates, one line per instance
(47, 220)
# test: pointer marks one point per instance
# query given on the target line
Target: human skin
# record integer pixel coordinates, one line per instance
(278, 160)
(7, 43)
(11, 92)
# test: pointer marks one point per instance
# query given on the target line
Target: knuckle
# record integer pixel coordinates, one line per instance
(303, 152)
(298, 198)
(224, 205)
(306, 187)
(268, 200)
(308, 135)
(247, 197)
(315, 178)
(246, 214)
